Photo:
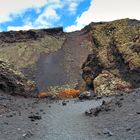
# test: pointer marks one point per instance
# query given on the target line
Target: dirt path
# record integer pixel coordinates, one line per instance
(35, 119)
(57, 121)
(67, 122)
(63, 67)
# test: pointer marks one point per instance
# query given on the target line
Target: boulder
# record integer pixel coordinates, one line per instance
(106, 84)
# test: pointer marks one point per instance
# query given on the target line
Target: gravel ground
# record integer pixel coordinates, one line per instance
(118, 119)
(41, 119)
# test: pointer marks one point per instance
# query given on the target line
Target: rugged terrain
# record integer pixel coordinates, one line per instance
(34, 119)
(102, 59)
(118, 119)
(107, 55)
(115, 61)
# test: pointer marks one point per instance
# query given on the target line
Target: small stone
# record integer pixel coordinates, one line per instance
(37, 113)
(14, 114)
(121, 99)
(88, 113)
(28, 134)
(99, 97)
(19, 113)
(6, 123)
(108, 132)
(128, 129)
(64, 103)
(9, 116)
(41, 110)
(103, 102)
(86, 95)
(35, 117)
(99, 133)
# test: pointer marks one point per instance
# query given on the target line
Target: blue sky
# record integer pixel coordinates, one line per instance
(71, 14)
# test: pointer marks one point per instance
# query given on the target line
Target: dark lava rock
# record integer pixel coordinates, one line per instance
(6, 123)
(94, 112)
(108, 133)
(9, 116)
(99, 97)
(128, 129)
(41, 110)
(105, 107)
(35, 117)
(64, 103)
(88, 112)
(116, 50)
(21, 36)
(87, 95)
(49, 106)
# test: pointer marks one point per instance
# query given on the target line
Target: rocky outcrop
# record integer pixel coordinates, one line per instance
(108, 84)
(54, 58)
(115, 62)
(22, 49)
(19, 55)
(21, 36)
(14, 82)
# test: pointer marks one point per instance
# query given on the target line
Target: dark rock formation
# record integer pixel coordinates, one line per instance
(115, 61)
(54, 58)
(20, 36)
(14, 82)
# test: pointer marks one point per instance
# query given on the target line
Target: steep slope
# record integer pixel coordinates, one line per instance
(22, 49)
(107, 54)
(19, 53)
(115, 61)
(14, 82)
(61, 69)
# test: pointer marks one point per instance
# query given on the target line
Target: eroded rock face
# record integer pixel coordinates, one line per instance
(113, 64)
(14, 82)
(22, 49)
(108, 84)
(115, 61)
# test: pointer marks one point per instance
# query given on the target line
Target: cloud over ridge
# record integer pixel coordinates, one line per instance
(107, 10)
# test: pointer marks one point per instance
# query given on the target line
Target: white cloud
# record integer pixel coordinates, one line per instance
(114, 9)
(73, 7)
(18, 28)
(107, 10)
(73, 28)
(48, 17)
(14, 7)
(8, 8)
